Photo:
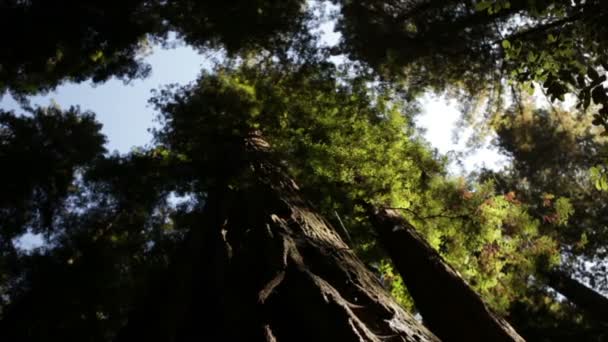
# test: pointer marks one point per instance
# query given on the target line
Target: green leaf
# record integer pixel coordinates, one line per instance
(98, 55)
(506, 44)
(603, 183)
(483, 5)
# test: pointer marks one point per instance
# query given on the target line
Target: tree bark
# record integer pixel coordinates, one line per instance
(585, 298)
(449, 307)
(268, 268)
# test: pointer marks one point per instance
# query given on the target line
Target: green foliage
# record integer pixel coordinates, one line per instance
(553, 153)
(348, 138)
(52, 41)
(261, 23)
(599, 178)
(543, 317)
(346, 146)
(40, 154)
(395, 285)
(105, 221)
(435, 44)
(489, 238)
(563, 211)
(478, 45)
(492, 7)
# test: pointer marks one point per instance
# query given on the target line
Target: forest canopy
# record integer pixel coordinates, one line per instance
(290, 195)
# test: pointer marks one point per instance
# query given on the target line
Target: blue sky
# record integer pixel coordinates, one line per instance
(123, 109)
(439, 118)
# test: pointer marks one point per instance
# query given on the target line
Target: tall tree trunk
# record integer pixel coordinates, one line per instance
(449, 307)
(586, 299)
(268, 268)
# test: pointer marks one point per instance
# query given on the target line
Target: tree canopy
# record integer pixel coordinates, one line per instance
(271, 178)
(49, 42)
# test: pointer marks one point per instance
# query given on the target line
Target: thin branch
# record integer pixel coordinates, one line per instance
(546, 27)
(553, 109)
(347, 235)
(435, 216)
(518, 99)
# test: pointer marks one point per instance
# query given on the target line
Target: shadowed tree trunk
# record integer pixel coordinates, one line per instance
(265, 267)
(449, 307)
(585, 298)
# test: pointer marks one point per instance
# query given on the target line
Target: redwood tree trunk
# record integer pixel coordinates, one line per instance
(268, 268)
(449, 307)
(579, 294)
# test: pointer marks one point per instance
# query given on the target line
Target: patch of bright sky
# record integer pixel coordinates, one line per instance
(439, 120)
(123, 109)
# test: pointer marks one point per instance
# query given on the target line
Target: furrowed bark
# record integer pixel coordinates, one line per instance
(585, 298)
(271, 269)
(449, 307)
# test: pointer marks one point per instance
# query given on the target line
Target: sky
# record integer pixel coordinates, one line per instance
(438, 119)
(123, 108)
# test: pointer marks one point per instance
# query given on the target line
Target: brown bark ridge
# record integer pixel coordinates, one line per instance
(449, 307)
(268, 268)
(585, 298)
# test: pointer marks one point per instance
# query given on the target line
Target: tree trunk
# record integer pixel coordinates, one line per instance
(586, 299)
(449, 307)
(268, 268)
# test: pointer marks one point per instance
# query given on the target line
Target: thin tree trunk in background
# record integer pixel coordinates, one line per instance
(449, 307)
(585, 298)
(270, 269)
